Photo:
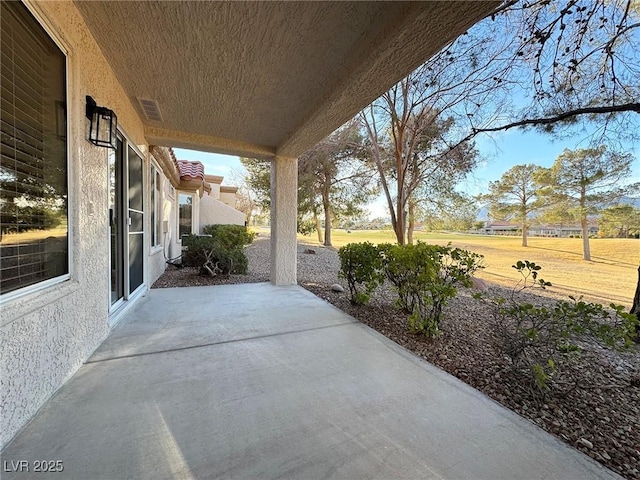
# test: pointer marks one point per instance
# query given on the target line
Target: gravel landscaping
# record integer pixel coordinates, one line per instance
(599, 413)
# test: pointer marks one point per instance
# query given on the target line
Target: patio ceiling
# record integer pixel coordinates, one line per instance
(265, 78)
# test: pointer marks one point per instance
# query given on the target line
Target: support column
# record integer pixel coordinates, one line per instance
(284, 216)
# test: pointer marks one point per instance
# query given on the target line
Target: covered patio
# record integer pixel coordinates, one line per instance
(259, 381)
(265, 80)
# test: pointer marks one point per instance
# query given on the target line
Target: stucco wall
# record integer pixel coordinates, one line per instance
(284, 187)
(228, 198)
(215, 190)
(170, 212)
(158, 255)
(213, 211)
(47, 334)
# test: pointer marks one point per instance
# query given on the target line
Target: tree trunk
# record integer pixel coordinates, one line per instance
(524, 234)
(586, 251)
(327, 223)
(400, 224)
(411, 222)
(635, 309)
(318, 226)
(400, 221)
(399, 232)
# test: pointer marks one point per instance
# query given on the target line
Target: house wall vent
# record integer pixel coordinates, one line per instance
(151, 109)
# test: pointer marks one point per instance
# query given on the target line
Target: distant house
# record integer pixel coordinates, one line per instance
(500, 228)
(561, 231)
(183, 200)
(202, 200)
(542, 230)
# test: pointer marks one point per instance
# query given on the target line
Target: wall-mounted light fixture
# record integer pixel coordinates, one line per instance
(104, 125)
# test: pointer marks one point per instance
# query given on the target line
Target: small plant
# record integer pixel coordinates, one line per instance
(426, 277)
(361, 266)
(541, 340)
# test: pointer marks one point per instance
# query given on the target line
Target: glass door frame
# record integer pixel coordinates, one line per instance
(117, 181)
(124, 223)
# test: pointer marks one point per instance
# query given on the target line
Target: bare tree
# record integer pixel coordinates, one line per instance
(537, 63)
(408, 143)
(246, 199)
(422, 124)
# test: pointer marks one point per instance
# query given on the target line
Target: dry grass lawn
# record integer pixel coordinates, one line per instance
(31, 235)
(611, 276)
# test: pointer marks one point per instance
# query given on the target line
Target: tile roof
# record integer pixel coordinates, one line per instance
(194, 170)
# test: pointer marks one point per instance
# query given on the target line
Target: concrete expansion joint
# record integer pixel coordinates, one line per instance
(223, 342)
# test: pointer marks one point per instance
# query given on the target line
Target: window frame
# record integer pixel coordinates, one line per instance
(52, 35)
(192, 196)
(155, 206)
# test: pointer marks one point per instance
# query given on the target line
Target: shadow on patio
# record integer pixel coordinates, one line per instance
(257, 381)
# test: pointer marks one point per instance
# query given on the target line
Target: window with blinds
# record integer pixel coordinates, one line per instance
(33, 153)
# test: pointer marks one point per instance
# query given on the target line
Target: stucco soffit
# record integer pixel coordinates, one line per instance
(193, 186)
(214, 178)
(405, 45)
(206, 143)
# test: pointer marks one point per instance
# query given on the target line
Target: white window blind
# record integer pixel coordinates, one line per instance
(33, 163)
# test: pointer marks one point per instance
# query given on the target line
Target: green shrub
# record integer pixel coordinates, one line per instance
(361, 266)
(425, 277)
(229, 236)
(222, 253)
(540, 340)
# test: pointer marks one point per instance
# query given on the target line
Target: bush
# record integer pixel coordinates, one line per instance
(222, 253)
(230, 236)
(361, 266)
(540, 341)
(425, 277)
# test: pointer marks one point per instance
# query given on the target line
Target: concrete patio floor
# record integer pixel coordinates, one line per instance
(256, 381)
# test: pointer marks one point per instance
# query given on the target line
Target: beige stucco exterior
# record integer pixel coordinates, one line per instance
(48, 333)
(218, 205)
(214, 182)
(213, 211)
(228, 195)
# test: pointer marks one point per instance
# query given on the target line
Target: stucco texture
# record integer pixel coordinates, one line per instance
(315, 63)
(284, 208)
(47, 334)
(213, 211)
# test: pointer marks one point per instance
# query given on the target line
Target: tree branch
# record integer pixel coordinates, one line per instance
(626, 107)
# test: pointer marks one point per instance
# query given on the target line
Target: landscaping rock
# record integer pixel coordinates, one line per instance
(336, 287)
(585, 443)
(479, 284)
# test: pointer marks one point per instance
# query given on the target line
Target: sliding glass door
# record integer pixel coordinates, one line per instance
(126, 222)
(136, 221)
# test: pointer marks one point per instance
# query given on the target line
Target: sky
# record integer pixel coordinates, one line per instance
(500, 152)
